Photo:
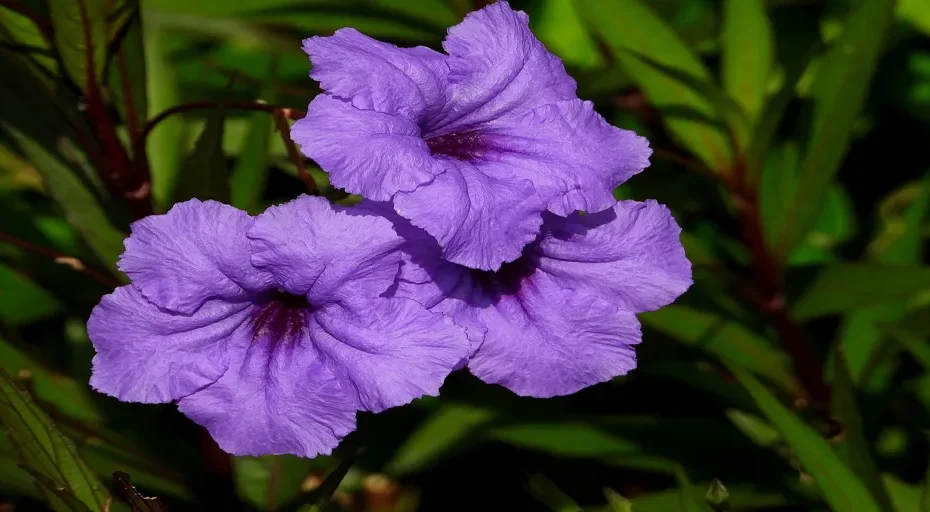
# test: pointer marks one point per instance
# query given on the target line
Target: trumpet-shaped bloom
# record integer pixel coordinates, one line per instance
(471, 145)
(562, 316)
(271, 331)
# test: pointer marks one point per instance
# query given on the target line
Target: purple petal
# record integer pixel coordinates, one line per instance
(378, 76)
(498, 66)
(365, 152)
(151, 355)
(196, 252)
(325, 252)
(573, 157)
(480, 220)
(387, 351)
(275, 399)
(546, 341)
(630, 256)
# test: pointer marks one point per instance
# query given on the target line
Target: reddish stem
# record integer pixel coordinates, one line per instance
(769, 281)
(59, 257)
(285, 130)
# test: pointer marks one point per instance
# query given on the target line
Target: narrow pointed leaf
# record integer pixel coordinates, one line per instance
(747, 53)
(446, 430)
(46, 452)
(625, 25)
(839, 485)
(550, 495)
(205, 174)
(127, 74)
(81, 38)
(843, 286)
(854, 446)
(840, 90)
(689, 502)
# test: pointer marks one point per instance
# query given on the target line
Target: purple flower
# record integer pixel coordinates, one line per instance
(562, 316)
(471, 146)
(269, 331)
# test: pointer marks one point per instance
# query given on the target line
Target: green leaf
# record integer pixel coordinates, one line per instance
(22, 301)
(550, 495)
(723, 338)
(843, 286)
(717, 496)
(127, 75)
(616, 502)
(914, 344)
(915, 12)
(837, 482)
(80, 205)
(164, 152)
(20, 30)
(80, 28)
(270, 481)
(625, 25)
(925, 492)
(854, 447)
(137, 502)
(205, 174)
(46, 452)
(747, 53)
(839, 91)
(725, 107)
(247, 184)
(689, 502)
(902, 215)
(446, 430)
(65, 394)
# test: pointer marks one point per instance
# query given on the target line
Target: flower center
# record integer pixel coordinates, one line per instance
(507, 279)
(280, 318)
(467, 145)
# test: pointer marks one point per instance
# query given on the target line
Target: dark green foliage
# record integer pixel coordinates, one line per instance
(790, 142)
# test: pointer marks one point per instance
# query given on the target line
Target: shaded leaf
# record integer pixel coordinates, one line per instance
(625, 25)
(839, 92)
(550, 495)
(80, 28)
(843, 286)
(723, 338)
(66, 395)
(137, 502)
(22, 301)
(46, 452)
(80, 205)
(127, 74)
(446, 430)
(854, 447)
(205, 174)
(837, 482)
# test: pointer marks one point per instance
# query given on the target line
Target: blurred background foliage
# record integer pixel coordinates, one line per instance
(791, 141)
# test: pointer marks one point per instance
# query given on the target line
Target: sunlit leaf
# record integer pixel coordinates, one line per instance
(747, 53)
(270, 481)
(625, 25)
